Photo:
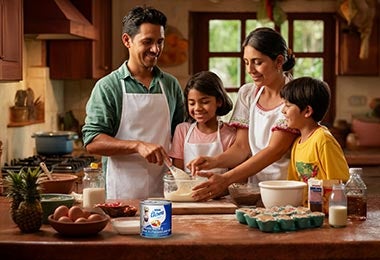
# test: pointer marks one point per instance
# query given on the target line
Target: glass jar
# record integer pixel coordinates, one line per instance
(356, 192)
(93, 186)
(179, 189)
(338, 206)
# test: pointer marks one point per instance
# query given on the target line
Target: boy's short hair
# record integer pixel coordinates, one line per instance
(307, 91)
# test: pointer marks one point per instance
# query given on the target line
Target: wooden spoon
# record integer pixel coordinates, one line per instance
(45, 169)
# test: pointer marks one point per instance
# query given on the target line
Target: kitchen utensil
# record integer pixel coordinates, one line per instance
(55, 143)
(61, 183)
(78, 229)
(222, 206)
(51, 201)
(126, 226)
(117, 209)
(245, 194)
(46, 171)
(177, 173)
(282, 193)
(179, 189)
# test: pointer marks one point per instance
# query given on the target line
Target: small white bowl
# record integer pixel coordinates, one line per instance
(282, 193)
(126, 226)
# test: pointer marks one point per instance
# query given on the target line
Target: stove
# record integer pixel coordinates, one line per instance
(54, 163)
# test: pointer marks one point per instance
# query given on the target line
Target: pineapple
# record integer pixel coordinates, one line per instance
(28, 215)
(14, 181)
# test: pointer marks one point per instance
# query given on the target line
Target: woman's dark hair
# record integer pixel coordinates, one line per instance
(209, 84)
(271, 43)
(140, 15)
(307, 91)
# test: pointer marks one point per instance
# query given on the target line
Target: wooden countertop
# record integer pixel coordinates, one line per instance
(206, 236)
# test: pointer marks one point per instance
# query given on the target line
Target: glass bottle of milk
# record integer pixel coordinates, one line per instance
(93, 186)
(338, 206)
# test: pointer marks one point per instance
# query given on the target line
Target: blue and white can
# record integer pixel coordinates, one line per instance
(155, 218)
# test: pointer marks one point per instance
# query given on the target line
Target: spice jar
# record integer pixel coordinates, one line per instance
(356, 192)
(93, 186)
(338, 206)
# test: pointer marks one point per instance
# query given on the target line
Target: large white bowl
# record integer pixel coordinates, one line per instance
(282, 193)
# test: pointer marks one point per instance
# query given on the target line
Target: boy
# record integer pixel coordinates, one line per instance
(316, 153)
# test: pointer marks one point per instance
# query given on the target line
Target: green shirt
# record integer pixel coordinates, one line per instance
(104, 107)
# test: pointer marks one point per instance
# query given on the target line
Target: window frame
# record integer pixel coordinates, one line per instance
(199, 38)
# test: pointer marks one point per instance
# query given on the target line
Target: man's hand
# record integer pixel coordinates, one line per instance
(153, 153)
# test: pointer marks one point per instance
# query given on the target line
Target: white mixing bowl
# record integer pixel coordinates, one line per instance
(282, 193)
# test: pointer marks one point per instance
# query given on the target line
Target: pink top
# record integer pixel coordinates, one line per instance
(227, 134)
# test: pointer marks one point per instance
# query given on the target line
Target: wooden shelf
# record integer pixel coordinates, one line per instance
(20, 124)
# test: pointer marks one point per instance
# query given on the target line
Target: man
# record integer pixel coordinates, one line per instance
(133, 111)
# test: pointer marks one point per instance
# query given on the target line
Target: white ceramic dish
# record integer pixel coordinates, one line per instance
(126, 226)
(282, 193)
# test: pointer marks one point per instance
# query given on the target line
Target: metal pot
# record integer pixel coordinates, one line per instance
(54, 143)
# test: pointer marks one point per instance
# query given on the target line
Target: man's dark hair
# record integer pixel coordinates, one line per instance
(140, 15)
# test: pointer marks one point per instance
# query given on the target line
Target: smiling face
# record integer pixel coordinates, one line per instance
(296, 118)
(145, 47)
(262, 69)
(202, 107)
(292, 114)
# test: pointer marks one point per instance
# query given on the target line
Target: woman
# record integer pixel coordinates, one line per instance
(260, 151)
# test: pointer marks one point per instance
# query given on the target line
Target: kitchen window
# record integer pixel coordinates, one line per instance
(311, 36)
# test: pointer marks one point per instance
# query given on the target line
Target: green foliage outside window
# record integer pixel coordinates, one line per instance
(225, 36)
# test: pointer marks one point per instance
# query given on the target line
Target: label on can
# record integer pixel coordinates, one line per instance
(155, 218)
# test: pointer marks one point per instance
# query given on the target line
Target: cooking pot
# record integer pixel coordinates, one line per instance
(55, 143)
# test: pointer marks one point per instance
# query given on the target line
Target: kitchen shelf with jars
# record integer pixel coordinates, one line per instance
(26, 110)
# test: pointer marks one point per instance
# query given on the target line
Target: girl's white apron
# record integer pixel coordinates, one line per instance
(193, 150)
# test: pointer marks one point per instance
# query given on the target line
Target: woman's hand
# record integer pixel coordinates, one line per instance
(214, 186)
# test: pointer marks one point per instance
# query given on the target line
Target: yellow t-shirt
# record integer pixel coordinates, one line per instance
(320, 157)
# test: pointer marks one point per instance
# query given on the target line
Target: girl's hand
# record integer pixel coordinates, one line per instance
(201, 163)
(214, 186)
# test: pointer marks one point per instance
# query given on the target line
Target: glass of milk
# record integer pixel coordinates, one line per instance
(338, 206)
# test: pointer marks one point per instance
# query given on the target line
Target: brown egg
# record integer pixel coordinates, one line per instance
(95, 217)
(64, 219)
(75, 212)
(86, 213)
(81, 220)
(60, 212)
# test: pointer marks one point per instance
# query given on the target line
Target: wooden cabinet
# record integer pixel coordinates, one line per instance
(349, 43)
(11, 40)
(84, 59)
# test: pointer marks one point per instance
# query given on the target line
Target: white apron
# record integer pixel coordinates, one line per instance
(259, 133)
(193, 150)
(146, 117)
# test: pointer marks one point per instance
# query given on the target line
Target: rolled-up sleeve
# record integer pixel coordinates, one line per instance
(103, 110)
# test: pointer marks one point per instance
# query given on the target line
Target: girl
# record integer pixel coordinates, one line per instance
(203, 134)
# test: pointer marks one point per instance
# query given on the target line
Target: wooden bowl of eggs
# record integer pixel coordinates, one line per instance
(76, 221)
